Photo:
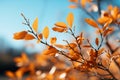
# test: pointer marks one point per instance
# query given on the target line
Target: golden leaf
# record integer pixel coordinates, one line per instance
(19, 74)
(53, 40)
(70, 19)
(97, 41)
(104, 19)
(57, 29)
(35, 25)
(73, 45)
(61, 24)
(29, 37)
(91, 22)
(76, 1)
(83, 3)
(20, 35)
(60, 46)
(50, 51)
(115, 12)
(24, 57)
(45, 32)
(72, 6)
(10, 74)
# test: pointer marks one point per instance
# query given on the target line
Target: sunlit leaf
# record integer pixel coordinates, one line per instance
(45, 32)
(50, 51)
(115, 12)
(29, 37)
(57, 29)
(61, 24)
(103, 20)
(60, 46)
(35, 25)
(70, 19)
(91, 22)
(53, 40)
(20, 35)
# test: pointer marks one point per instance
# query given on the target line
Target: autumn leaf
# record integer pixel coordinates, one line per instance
(70, 19)
(29, 37)
(20, 35)
(45, 32)
(72, 6)
(35, 25)
(61, 24)
(57, 29)
(10, 74)
(40, 36)
(53, 40)
(104, 19)
(50, 51)
(91, 22)
(97, 41)
(19, 74)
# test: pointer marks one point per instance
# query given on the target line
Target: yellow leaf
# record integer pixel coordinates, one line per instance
(20, 35)
(61, 24)
(45, 32)
(91, 22)
(83, 3)
(53, 40)
(29, 37)
(35, 25)
(70, 19)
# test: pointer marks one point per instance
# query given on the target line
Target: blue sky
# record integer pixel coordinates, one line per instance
(48, 12)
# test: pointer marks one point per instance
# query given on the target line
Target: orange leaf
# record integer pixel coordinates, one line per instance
(29, 37)
(72, 6)
(83, 3)
(19, 74)
(40, 36)
(45, 32)
(73, 45)
(10, 74)
(50, 51)
(24, 57)
(57, 29)
(60, 46)
(91, 22)
(70, 19)
(20, 35)
(53, 40)
(76, 1)
(35, 25)
(103, 20)
(97, 41)
(115, 12)
(61, 24)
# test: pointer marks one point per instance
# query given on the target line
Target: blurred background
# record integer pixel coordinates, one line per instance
(48, 12)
